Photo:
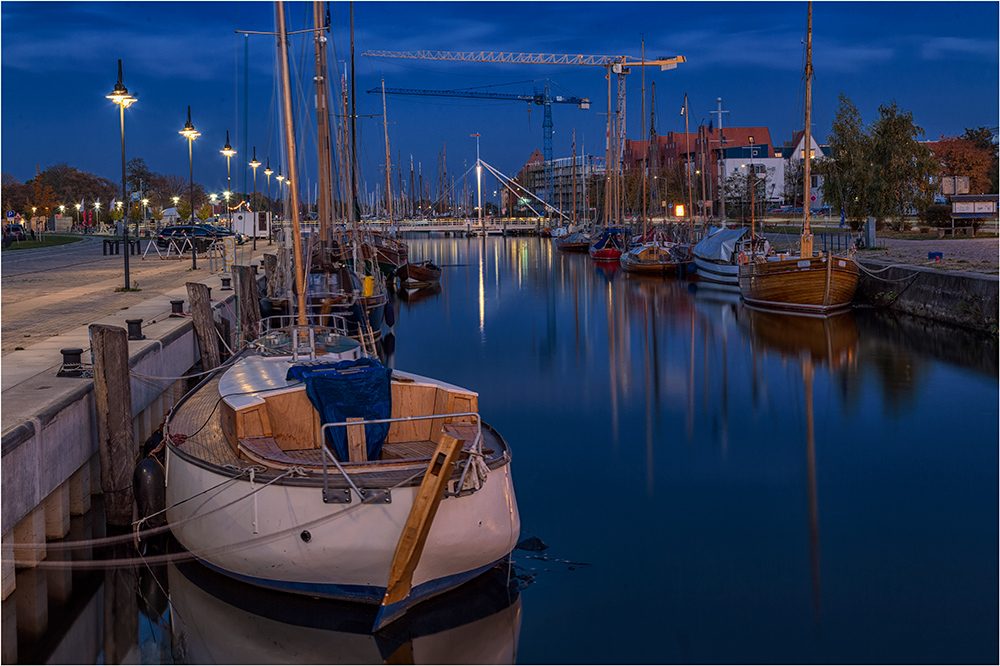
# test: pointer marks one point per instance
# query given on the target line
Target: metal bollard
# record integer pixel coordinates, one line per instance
(135, 329)
(72, 366)
(177, 308)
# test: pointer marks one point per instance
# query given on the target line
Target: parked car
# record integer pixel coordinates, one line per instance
(221, 232)
(179, 232)
(14, 231)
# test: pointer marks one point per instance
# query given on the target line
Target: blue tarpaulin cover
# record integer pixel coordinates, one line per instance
(358, 388)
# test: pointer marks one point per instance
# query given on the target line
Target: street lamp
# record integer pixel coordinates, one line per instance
(228, 152)
(191, 134)
(145, 204)
(281, 193)
(268, 172)
(121, 97)
(97, 213)
(78, 207)
(253, 165)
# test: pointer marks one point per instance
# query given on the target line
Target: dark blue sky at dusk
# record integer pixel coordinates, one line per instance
(938, 60)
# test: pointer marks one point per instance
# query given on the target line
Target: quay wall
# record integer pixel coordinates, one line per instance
(965, 299)
(50, 462)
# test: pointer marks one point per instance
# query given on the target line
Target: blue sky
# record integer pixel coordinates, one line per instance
(938, 60)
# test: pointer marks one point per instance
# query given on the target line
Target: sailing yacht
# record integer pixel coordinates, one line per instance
(807, 281)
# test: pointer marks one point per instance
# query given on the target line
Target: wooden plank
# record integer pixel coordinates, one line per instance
(200, 298)
(357, 449)
(418, 525)
(113, 406)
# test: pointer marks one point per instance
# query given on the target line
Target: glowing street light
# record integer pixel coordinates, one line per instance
(228, 151)
(253, 165)
(191, 134)
(78, 207)
(123, 99)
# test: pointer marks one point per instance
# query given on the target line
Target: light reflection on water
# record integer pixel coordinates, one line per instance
(714, 483)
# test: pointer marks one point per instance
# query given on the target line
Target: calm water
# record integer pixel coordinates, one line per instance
(714, 484)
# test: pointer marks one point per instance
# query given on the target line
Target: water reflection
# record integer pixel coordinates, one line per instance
(216, 620)
(746, 486)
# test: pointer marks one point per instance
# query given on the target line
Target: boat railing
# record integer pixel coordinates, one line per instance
(282, 336)
(338, 498)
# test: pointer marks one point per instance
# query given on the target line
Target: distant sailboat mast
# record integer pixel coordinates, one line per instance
(806, 240)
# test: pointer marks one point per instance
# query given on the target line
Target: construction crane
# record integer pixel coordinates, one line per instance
(541, 97)
(618, 65)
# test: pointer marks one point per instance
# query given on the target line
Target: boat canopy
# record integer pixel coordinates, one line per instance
(614, 236)
(720, 245)
(358, 388)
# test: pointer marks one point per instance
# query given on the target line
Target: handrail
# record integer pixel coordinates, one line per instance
(477, 444)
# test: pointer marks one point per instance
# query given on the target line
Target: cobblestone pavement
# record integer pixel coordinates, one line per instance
(53, 290)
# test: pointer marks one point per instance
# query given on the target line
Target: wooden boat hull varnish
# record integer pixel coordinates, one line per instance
(818, 284)
(281, 534)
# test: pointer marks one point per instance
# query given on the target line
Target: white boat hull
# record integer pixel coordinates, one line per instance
(285, 537)
(712, 271)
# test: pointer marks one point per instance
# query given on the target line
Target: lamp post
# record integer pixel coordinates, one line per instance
(228, 151)
(191, 134)
(121, 97)
(253, 165)
(268, 172)
(78, 207)
(145, 205)
(97, 213)
(281, 194)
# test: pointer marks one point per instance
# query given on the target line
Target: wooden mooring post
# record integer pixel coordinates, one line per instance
(200, 297)
(248, 304)
(113, 404)
(271, 274)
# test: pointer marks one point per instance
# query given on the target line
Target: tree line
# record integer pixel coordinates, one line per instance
(64, 185)
(883, 170)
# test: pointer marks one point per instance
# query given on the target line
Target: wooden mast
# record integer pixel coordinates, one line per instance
(687, 142)
(325, 198)
(645, 156)
(806, 240)
(574, 178)
(293, 175)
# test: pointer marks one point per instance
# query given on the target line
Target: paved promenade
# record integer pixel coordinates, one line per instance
(49, 291)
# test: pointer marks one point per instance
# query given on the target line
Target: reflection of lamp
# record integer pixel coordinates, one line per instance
(121, 97)
(191, 134)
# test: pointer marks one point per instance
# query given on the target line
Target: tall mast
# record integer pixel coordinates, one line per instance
(574, 177)
(354, 138)
(806, 240)
(645, 157)
(687, 141)
(325, 193)
(388, 166)
(293, 174)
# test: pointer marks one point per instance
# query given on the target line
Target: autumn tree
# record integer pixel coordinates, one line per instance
(962, 156)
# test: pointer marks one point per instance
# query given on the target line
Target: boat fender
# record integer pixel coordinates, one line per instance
(149, 486)
(390, 315)
(741, 258)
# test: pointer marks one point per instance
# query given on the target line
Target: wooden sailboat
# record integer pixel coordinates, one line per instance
(808, 281)
(306, 466)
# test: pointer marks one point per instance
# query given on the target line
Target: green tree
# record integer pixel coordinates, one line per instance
(904, 167)
(184, 209)
(847, 174)
(204, 212)
(741, 192)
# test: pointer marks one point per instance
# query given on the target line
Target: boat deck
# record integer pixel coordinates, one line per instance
(196, 422)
